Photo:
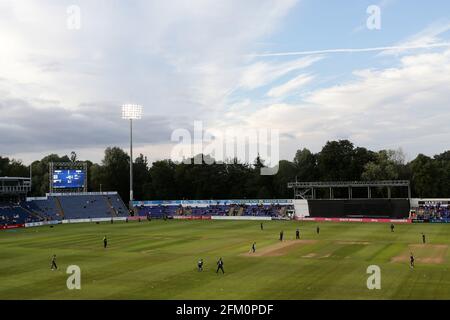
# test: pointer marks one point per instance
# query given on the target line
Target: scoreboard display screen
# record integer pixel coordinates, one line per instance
(68, 179)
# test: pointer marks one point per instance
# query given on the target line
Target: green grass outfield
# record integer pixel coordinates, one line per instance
(157, 260)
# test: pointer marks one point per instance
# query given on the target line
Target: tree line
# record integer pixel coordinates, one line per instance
(166, 180)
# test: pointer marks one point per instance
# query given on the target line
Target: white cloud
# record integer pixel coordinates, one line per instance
(292, 85)
(430, 37)
(189, 60)
(262, 73)
(179, 59)
(406, 106)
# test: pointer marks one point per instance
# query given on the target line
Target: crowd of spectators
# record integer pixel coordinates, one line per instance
(270, 210)
(431, 211)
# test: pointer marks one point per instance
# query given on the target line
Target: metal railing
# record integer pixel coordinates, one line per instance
(338, 184)
(14, 189)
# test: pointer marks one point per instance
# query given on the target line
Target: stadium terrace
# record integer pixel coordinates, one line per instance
(72, 205)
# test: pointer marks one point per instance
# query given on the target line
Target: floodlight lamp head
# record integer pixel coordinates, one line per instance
(131, 111)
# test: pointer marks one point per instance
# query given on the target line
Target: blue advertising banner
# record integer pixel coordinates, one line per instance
(194, 203)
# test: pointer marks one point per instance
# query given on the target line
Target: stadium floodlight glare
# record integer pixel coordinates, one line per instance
(131, 112)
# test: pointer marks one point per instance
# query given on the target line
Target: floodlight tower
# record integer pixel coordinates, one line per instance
(131, 112)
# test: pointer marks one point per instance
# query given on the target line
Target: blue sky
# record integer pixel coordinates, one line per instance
(224, 63)
(324, 25)
(314, 26)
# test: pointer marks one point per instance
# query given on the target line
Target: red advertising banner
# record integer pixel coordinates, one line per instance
(136, 218)
(12, 226)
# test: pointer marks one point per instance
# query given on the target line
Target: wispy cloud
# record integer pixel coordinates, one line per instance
(188, 61)
(178, 59)
(292, 85)
(262, 73)
(430, 37)
(403, 106)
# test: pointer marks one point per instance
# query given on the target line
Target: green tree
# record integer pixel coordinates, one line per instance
(306, 165)
(40, 173)
(386, 166)
(13, 168)
(443, 163)
(141, 177)
(286, 171)
(425, 177)
(116, 172)
(335, 161)
(162, 175)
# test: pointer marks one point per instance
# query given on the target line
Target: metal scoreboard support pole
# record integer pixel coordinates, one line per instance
(50, 177)
(86, 173)
(131, 112)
